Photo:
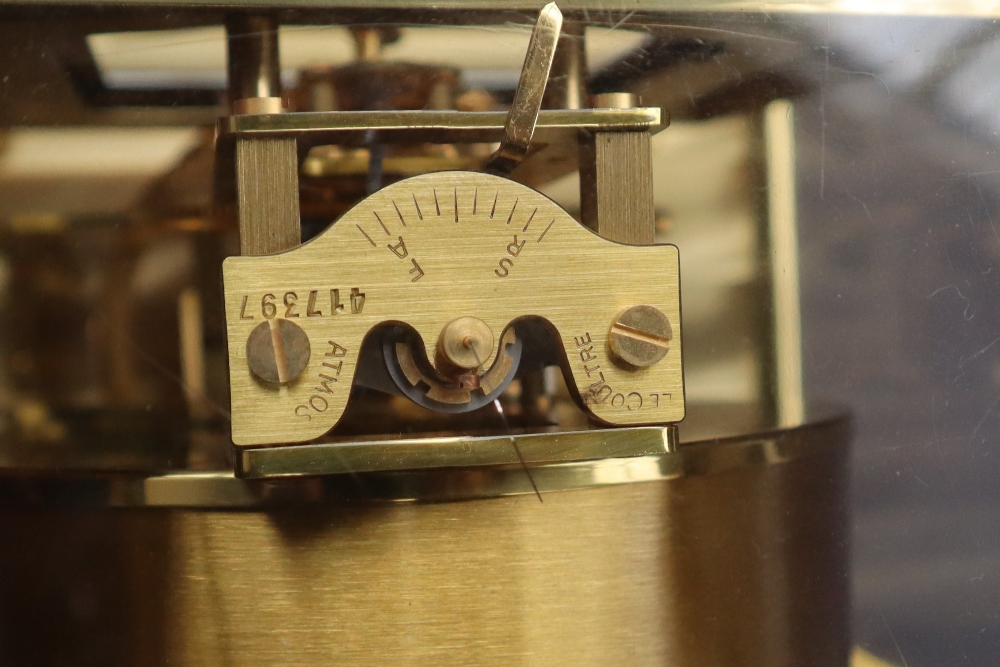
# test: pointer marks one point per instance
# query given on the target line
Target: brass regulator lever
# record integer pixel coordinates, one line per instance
(523, 115)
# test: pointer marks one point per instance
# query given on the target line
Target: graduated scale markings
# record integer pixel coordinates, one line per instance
(397, 243)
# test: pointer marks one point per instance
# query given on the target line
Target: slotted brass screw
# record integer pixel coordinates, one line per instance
(640, 336)
(277, 351)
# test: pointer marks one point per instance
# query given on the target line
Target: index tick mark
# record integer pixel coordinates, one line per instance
(437, 206)
(512, 209)
(366, 235)
(546, 231)
(417, 206)
(530, 218)
(398, 213)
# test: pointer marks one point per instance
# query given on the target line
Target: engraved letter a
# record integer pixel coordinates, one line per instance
(399, 249)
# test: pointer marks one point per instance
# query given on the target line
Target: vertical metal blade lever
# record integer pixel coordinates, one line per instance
(520, 125)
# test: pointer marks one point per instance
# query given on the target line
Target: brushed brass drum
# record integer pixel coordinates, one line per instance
(727, 551)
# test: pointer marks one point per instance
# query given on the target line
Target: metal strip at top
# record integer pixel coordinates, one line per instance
(436, 126)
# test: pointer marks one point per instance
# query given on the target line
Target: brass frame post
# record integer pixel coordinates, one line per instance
(616, 179)
(267, 178)
(773, 129)
(567, 85)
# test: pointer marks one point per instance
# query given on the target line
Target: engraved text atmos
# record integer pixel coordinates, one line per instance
(326, 382)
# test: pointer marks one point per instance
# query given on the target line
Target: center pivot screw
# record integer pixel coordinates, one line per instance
(465, 343)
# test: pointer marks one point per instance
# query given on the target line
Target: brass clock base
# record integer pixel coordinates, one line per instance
(730, 551)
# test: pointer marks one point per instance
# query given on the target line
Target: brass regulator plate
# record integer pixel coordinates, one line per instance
(425, 251)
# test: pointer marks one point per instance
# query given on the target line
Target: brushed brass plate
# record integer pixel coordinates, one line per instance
(455, 452)
(431, 248)
(424, 251)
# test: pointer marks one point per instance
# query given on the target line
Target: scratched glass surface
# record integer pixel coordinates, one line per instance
(896, 122)
(898, 195)
(898, 188)
(898, 185)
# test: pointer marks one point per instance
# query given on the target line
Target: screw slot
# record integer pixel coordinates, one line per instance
(640, 336)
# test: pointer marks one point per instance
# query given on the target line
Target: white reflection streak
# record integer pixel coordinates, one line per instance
(517, 450)
(623, 471)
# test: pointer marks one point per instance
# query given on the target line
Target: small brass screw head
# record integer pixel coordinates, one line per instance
(640, 336)
(277, 351)
(465, 343)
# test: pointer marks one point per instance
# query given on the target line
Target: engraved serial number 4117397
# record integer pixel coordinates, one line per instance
(305, 303)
